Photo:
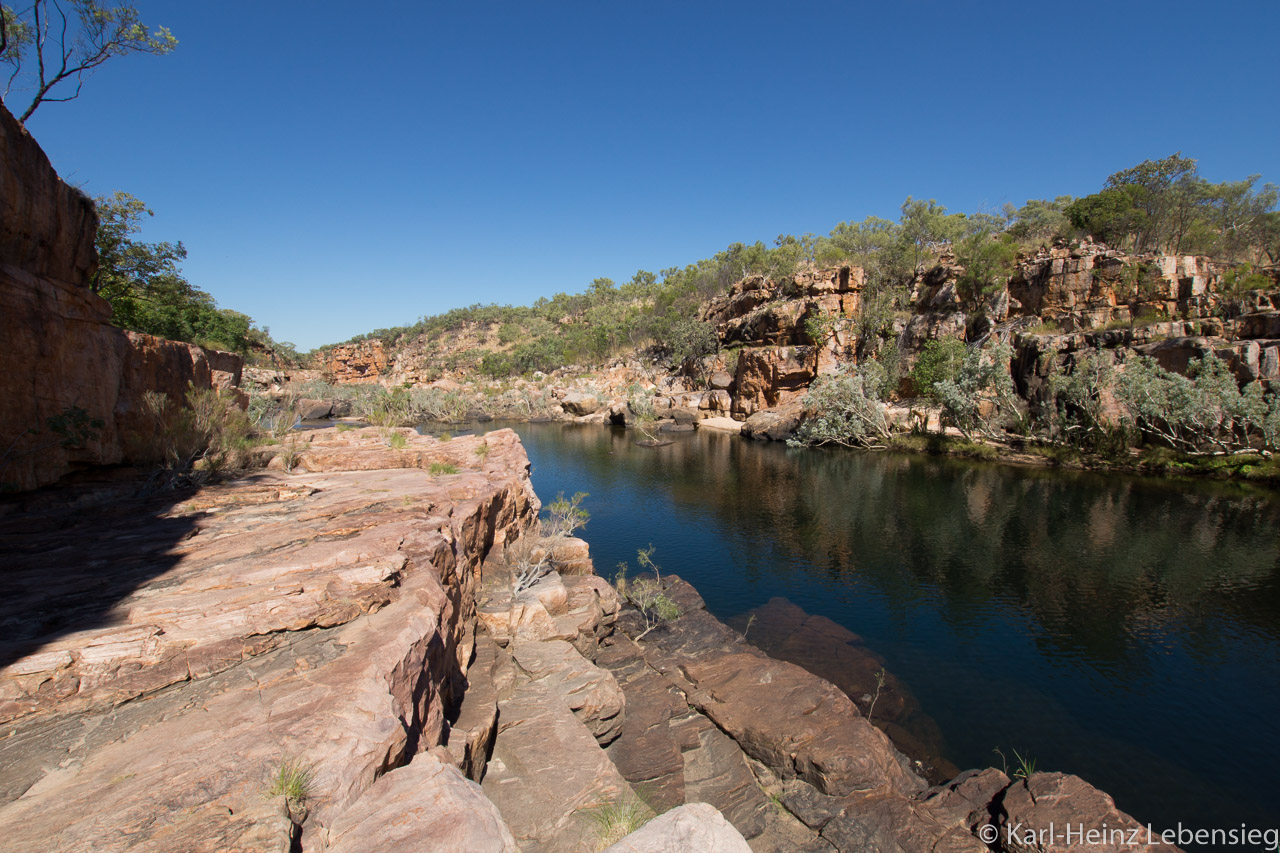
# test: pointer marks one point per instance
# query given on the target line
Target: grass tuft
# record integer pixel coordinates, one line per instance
(292, 780)
(615, 821)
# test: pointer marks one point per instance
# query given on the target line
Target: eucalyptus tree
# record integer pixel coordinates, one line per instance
(55, 44)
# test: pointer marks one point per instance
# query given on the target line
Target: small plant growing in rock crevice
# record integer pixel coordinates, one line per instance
(564, 516)
(528, 560)
(647, 594)
(1025, 768)
(293, 780)
(616, 820)
(438, 469)
(880, 677)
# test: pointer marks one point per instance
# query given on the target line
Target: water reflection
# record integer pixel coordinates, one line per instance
(1122, 628)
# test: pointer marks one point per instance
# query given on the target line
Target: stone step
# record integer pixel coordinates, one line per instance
(547, 773)
(423, 807)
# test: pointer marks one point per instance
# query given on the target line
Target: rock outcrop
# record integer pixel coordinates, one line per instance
(356, 363)
(73, 384)
(319, 621)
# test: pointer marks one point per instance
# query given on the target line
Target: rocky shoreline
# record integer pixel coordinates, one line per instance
(168, 660)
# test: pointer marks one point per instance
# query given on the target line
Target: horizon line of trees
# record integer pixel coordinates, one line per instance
(1158, 205)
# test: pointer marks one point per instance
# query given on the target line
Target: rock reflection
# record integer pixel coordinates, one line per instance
(835, 653)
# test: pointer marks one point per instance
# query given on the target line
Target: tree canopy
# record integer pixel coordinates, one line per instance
(54, 44)
(148, 293)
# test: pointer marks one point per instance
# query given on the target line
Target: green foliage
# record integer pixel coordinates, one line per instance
(1041, 221)
(440, 469)
(1205, 409)
(564, 516)
(686, 339)
(293, 780)
(147, 292)
(47, 48)
(939, 361)
(1243, 278)
(982, 398)
(646, 593)
(74, 427)
(845, 408)
(397, 441)
(987, 256)
(616, 820)
(1079, 415)
(1164, 205)
(207, 436)
(820, 327)
(926, 224)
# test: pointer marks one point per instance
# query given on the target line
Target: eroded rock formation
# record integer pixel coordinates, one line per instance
(73, 384)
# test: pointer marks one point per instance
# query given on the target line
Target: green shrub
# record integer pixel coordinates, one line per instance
(439, 469)
(939, 361)
(845, 408)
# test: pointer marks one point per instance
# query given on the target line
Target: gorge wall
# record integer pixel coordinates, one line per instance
(73, 384)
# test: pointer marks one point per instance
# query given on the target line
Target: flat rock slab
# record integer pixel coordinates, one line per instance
(166, 660)
(721, 425)
(424, 807)
(547, 773)
(792, 721)
(590, 692)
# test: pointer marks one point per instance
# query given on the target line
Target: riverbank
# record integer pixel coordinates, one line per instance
(293, 661)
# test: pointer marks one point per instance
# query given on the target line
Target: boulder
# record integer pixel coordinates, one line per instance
(695, 826)
(424, 806)
(591, 693)
(321, 621)
(774, 424)
(721, 381)
(578, 403)
(547, 772)
(314, 410)
(769, 376)
(1037, 811)
(717, 401)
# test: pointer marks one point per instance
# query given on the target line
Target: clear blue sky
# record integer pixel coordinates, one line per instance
(336, 168)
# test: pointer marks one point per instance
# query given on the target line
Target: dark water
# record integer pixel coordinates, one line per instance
(1123, 629)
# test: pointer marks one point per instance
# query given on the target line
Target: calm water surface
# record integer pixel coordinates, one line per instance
(1123, 629)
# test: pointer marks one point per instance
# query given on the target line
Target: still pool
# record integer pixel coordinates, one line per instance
(1123, 629)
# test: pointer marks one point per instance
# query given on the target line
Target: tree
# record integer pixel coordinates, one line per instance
(147, 290)
(1040, 220)
(987, 256)
(47, 45)
(982, 398)
(939, 361)
(1165, 192)
(846, 408)
(926, 224)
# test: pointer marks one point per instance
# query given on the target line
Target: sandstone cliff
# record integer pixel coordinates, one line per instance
(73, 384)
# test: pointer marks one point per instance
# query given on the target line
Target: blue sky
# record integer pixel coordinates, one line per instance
(336, 168)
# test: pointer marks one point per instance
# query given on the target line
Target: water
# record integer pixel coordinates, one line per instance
(1123, 629)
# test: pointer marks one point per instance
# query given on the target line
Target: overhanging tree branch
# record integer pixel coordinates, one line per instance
(83, 41)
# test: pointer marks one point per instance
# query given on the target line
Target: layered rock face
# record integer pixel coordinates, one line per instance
(770, 321)
(322, 621)
(67, 368)
(362, 362)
